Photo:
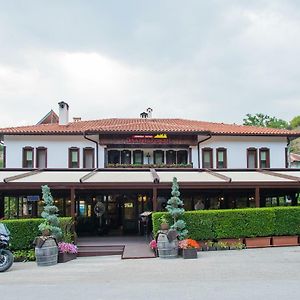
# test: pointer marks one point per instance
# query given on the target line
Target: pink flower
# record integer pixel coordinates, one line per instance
(67, 248)
(153, 244)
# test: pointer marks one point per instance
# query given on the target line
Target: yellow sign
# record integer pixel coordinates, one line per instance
(161, 136)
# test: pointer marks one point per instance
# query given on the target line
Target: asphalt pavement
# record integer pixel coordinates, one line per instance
(270, 273)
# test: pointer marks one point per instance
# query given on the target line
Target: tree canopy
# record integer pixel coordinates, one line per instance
(262, 120)
(295, 122)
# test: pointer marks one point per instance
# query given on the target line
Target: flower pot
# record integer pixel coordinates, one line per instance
(164, 226)
(278, 241)
(189, 253)
(258, 242)
(65, 257)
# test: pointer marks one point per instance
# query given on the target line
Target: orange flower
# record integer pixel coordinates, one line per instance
(188, 243)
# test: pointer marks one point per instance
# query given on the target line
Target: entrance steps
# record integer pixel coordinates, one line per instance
(97, 250)
(127, 246)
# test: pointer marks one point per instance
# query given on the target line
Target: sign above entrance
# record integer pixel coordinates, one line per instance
(148, 138)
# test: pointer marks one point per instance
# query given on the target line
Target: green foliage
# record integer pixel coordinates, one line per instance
(24, 231)
(295, 122)
(287, 221)
(24, 255)
(50, 214)
(238, 223)
(176, 210)
(262, 120)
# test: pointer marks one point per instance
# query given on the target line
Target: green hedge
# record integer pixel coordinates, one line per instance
(24, 231)
(238, 223)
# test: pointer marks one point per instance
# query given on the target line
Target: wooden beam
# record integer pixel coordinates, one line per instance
(1, 206)
(257, 197)
(218, 175)
(154, 176)
(72, 196)
(20, 176)
(284, 176)
(88, 175)
(154, 198)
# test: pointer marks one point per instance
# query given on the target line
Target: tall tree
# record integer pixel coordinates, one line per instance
(295, 122)
(262, 120)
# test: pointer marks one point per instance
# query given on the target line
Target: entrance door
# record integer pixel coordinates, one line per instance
(130, 215)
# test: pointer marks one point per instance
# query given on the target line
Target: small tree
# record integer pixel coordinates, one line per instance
(50, 214)
(175, 208)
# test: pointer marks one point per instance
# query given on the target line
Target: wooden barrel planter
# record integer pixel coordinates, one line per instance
(165, 248)
(46, 254)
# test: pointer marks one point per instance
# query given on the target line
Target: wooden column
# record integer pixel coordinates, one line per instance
(1, 206)
(154, 198)
(72, 202)
(257, 197)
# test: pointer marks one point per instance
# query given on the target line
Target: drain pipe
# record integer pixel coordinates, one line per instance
(198, 147)
(97, 149)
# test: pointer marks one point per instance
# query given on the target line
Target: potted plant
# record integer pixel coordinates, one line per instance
(66, 252)
(209, 246)
(189, 248)
(153, 246)
(164, 224)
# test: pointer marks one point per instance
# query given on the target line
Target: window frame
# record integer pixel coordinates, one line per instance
(267, 150)
(210, 151)
(187, 157)
(252, 149)
(154, 156)
(87, 150)
(173, 153)
(71, 149)
(123, 155)
(38, 149)
(24, 150)
(224, 150)
(134, 152)
(113, 151)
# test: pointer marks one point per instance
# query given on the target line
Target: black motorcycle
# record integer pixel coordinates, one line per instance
(6, 257)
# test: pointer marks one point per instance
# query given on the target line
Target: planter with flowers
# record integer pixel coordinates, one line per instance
(66, 252)
(189, 248)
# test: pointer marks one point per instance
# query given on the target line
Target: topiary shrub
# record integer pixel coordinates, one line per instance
(24, 231)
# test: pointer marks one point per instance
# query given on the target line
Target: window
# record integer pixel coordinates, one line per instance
(251, 158)
(89, 158)
(158, 157)
(182, 157)
(41, 157)
(221, 158)
(138, 157)
(207, 158)
(73, 158)
(113, 157)
(264, 158)
(126, 157)
(171, 157)
(27, 157)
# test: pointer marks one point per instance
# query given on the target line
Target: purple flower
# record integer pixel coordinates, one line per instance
(67, 248)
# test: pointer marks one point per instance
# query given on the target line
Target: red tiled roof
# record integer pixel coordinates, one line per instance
(117, 125)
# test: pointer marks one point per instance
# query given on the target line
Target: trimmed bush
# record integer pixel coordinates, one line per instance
(287, 221)
(24, 231)
(238, 223)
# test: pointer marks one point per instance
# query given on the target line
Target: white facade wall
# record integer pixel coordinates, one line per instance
(57, 149)
(237, 149)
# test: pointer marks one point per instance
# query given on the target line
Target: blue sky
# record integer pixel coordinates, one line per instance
(206, 60)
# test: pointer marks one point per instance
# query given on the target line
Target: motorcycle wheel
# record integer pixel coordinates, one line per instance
(6, 260)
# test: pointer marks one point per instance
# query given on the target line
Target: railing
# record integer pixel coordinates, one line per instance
(154, 166)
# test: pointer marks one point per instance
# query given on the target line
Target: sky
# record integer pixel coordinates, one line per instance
(211, 60)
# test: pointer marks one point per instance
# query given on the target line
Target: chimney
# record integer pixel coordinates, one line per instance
(144, 115)
(63, 113)
(149, 111)
(76, 119)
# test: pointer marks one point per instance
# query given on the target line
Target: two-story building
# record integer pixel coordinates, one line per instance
(106, 172)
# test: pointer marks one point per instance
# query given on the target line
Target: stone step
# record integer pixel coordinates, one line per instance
(84, 251)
